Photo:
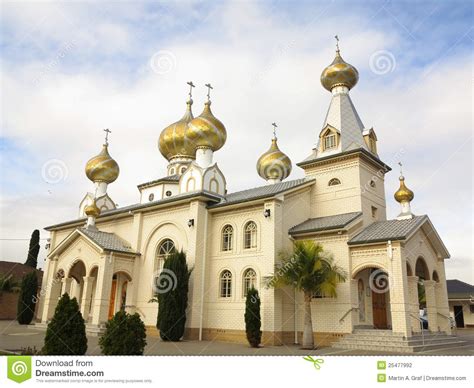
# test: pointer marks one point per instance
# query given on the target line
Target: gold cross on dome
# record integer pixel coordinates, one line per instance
(191, 86)
(209, 87)
(275, 126)
(337, 42)
(107, 131)
(401, 170)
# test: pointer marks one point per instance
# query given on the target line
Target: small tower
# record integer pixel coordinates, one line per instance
(206, 133)
(102, 170)
(274, 165)
(404, 196)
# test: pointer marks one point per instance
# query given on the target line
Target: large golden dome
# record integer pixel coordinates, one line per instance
(174, 139)
(207, 131)
(102, 168)
(274, 164)
(403, 194)
(339, 73)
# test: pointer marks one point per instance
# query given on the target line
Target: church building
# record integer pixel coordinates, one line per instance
(109, 258)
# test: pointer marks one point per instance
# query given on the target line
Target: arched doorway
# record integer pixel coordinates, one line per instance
(421, 271)
(77, 273)
(118, 293)
(373, 298)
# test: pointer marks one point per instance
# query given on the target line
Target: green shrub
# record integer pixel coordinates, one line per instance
(66, 333)
(172, 292)
(27, 299)
(252, 318)
(124, 335)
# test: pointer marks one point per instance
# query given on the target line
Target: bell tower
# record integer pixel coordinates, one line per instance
(349, 174)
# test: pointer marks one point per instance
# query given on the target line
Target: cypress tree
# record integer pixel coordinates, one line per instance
(172, 292)
(125, 334)
(27, 299)
(252, 318)
(33, 250)
(66, 333)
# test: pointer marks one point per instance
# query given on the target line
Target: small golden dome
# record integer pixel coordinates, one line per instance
(174, 139)
(207, 131)
(339, 73)
(403, 194)
(274, 164)
(102, 168)
(92, 210)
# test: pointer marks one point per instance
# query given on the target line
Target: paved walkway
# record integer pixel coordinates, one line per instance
(14, 337)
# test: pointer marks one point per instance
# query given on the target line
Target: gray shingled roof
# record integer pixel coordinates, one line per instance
(388, 230)
(459, 289)
(170, 178)
(108, 241)
(325, 223)
(260, 192)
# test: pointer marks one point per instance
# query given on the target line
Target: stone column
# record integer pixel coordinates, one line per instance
(414, 303)
(442, 303)
(399, 301)
(432, 311)
(102, 292)
(86, 296)
(66, 289)
(52, 291)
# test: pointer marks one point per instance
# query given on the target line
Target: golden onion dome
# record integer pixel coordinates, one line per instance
(174, 139)
(339, 73)
(206, 131)
(274, 164)
(102, 168)
(92, 210)
(403, 194)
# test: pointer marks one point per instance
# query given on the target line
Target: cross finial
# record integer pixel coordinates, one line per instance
(209, 87)
(401, 169)
(337, 43)
(107, 131)
(275, 126)
(191, 86)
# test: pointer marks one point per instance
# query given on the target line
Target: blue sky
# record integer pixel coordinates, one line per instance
(71, 69)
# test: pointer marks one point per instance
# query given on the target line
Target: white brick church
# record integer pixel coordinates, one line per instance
(109, 257)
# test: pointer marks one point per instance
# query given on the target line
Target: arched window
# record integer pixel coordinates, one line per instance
(226, 284)
(172, 171)
(183, 169)
(334, 182)
(165, 249)
(227, 234)
(250, 235)
(250, 280)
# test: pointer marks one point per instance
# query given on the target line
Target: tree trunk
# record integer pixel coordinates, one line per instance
(308, 341)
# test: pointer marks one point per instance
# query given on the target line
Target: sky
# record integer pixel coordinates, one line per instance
(71, 69)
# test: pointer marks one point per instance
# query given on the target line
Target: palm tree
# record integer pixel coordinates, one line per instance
(308, 268)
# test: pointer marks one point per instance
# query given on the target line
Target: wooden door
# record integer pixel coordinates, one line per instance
(459, 316)
(379, 308)
(113, 291)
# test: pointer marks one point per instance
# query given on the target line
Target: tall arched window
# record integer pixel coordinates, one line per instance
(334, 182)
(250, 235)
(250, 280)
(165, 248)
(226, 284)
(227, 234)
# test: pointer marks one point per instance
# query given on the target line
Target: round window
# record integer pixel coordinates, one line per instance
(168, 193)
(151, 197)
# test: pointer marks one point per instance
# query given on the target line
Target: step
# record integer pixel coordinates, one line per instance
(385, 341)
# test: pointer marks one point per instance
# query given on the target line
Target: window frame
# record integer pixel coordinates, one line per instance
(227, 245)
(225, 284)
(251, 234)
(326, 139)
(160, 258)
(252, 281)
(336, 180)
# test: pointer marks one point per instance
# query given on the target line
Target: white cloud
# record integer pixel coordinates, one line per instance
(264, 68)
